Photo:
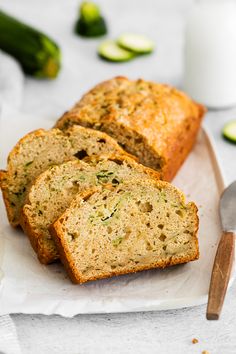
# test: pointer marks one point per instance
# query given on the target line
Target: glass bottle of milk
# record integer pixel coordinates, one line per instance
(210, 53)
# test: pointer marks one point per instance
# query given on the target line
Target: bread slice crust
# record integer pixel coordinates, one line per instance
(76, 275)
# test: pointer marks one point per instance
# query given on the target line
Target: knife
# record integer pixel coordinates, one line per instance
(225, 254)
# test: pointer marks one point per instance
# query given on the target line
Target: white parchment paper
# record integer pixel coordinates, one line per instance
(27, 286)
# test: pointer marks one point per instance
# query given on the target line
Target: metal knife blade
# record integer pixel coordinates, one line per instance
(228, 208)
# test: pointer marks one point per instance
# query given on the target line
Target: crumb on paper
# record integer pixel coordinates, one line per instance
(205, 352)
(194, 340)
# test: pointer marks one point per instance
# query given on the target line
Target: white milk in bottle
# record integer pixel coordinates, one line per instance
(210, 53)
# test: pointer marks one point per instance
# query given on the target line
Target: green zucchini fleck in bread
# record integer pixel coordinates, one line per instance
(53, 190)
(39, 150)
(133, 227)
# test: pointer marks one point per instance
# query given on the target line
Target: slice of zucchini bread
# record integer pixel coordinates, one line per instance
(155, 122)
(40, 149)
(53, 191)
(134, 227)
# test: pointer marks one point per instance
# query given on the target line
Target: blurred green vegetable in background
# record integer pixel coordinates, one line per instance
(90, 23)
(136, 43)
(229, 131)
(128, 46)
(38, 54)
(111, 51)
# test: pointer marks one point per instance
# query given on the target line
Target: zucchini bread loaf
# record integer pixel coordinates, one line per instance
(40, 149)
(155, 122)
(134, 227)
(53, 191)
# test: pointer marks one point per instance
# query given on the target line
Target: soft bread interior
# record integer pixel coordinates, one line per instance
(41, 149)
(137, 226)
(54, 189)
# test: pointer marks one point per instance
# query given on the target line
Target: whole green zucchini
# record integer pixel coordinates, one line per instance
(38, 54)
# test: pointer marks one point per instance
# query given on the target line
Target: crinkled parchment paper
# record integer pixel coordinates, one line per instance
(29, 287)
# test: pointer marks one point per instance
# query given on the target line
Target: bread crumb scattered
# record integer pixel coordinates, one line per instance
(194, 340)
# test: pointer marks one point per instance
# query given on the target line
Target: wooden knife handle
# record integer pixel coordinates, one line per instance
(220, 275)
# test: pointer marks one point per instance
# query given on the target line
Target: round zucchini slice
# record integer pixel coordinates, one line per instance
(229, 131)
(109, 50)
(138, 44)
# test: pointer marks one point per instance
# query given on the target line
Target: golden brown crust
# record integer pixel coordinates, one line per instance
(165, 118)
(43, 255)
(180, 148)
(63, 256)
(57, 233)
(6, 200)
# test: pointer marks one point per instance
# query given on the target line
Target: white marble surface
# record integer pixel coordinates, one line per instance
(160, 332)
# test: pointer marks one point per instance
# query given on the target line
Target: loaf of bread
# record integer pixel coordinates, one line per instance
(40, 149)
(134, 227)
(155, 122)
(54, 189)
